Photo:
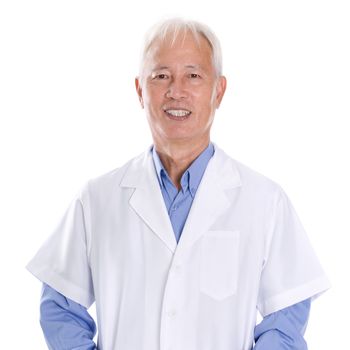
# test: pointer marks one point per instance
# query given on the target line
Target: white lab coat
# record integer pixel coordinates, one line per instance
(243, 248)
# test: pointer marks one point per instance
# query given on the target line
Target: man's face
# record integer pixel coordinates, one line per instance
(180, 90)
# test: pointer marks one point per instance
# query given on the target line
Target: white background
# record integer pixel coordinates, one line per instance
(69, 112)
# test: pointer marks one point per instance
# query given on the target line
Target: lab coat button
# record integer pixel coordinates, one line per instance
(171, 313)
(178, 268)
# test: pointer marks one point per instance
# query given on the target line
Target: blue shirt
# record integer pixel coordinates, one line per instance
(68, 325)
(178, 202)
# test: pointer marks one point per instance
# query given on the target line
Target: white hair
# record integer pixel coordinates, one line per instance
(161, 30)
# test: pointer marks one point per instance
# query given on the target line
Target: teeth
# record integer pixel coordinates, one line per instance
(178, 112)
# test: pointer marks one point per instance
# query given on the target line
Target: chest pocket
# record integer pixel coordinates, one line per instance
(219, 263)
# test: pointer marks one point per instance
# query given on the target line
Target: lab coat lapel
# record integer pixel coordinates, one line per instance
(147, 199)
(211, 199)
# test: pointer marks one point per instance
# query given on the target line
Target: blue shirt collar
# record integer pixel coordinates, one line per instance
(192, 176)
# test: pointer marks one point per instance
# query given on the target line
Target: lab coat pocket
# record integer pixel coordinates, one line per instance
(219, 263)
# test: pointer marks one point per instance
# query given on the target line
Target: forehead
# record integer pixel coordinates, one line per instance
(183, 47)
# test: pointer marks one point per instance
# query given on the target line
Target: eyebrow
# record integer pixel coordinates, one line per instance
(160, 68)
(192, 66)
(195, 66)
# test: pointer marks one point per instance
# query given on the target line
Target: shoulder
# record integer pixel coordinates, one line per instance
(109, 182)
(251, 180)
(255, 180)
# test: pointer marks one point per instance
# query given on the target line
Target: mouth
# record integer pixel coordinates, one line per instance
(177, 114)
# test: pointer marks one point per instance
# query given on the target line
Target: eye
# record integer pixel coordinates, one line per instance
(161, 76)
(194, 75)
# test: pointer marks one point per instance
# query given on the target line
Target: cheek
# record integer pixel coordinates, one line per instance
(204, 98)
(154, 96)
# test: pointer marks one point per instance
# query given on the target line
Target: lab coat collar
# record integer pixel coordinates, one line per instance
(210, 201)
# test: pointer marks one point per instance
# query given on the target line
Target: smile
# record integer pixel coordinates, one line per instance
(177, 114)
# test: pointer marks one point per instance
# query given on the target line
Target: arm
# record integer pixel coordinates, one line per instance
(65, 323)
(284, 329)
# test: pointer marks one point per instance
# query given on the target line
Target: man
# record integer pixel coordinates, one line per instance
(181, 245)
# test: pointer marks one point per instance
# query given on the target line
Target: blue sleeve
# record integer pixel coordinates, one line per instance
(65, 323)
(284, 329)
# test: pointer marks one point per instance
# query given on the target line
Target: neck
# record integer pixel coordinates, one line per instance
(176, 158)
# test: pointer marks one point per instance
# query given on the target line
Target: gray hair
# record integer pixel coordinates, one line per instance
(174, 26)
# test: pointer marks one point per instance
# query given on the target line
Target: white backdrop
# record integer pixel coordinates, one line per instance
(69, 112)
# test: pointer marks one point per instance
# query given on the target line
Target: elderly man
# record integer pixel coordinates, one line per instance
(180, 246)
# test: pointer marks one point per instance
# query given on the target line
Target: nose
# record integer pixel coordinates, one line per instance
(176, 90)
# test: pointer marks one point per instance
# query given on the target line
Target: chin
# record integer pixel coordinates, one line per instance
(179, 137)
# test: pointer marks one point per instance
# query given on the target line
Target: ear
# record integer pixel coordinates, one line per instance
(220, 90)
(139, 90)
